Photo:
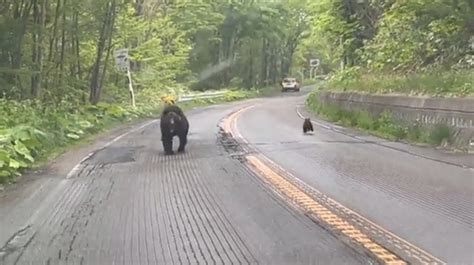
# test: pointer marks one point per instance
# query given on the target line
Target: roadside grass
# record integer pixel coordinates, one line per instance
(383, 126)
(440, 134)
(32, 133)
(310, 82)
(438, 83)
(267, 91)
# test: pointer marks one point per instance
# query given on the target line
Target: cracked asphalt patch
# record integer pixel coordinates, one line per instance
(114, 155)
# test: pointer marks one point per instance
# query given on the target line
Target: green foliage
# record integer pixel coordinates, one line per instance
(365, 121)
(29, 130)
(343, 79)
(423, 46)
(420, 34)
(158, 49)
(253, 46)
(18, 145)
(213, 44)
(234, 95)
(204, 45)
(439, 134)
(417, 133)
(444, 83)
(389, 128)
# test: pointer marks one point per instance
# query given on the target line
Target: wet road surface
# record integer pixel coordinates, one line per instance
(127, 203)
(421, 195)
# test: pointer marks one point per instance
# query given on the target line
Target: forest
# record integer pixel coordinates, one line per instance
(59, 83)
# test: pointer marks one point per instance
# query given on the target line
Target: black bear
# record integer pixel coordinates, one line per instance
(307, 125)
(173, 123)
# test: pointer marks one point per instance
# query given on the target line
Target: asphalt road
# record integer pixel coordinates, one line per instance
(127, 203)
(421, 195)
(119, 200)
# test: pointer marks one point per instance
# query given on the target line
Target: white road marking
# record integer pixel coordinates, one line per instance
(313, 122)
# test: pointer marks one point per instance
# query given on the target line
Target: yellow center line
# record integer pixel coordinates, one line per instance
(310, 205)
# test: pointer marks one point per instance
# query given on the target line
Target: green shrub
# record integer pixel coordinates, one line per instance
(30, 130)
(365, 121)
(437, 83)
(439, 134)
(235, 95)
(345, 78)
(389, 128)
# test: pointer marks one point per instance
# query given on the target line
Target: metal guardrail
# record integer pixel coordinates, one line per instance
(191, 97)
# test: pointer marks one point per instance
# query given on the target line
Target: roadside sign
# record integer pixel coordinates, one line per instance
(123, 64)
(122, 60)
(314, 62)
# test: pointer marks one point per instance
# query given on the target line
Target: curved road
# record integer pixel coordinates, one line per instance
(121, 201)
(421, 195)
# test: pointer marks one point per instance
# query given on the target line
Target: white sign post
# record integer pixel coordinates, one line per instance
(313, 65)
(123, 64)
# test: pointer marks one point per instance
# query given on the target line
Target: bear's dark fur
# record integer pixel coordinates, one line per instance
(307, 125)
(173, 123)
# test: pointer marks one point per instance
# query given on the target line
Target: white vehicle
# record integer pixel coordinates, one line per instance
(290, 84)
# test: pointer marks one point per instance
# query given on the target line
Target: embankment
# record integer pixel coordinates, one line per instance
(429, 116)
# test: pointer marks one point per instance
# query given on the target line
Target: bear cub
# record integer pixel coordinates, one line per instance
(307, 126)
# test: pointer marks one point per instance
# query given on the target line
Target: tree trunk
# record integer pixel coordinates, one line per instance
(95, 78)
(77, 44)
(105, 34)
(52, 39)
(63, 46)
(39, 15)
(22, 13)
(264, 77)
